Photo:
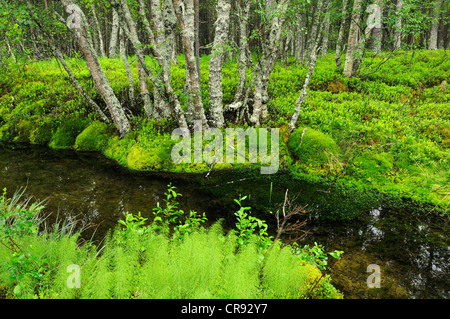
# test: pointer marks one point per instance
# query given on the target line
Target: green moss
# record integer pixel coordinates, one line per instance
(140, 158)
(67, 133)
(43, 132)
(95, 137)
(315, 148)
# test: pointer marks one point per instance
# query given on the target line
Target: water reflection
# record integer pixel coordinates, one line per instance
(411, 249)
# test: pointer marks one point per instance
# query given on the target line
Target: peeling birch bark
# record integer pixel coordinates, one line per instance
(215, 63)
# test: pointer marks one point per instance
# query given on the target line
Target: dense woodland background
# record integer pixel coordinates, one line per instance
(254, 33)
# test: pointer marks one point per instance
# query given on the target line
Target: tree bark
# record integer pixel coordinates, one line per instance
(378, 31)
(114, 35)
(353, 38)
(270, 52)
(185, 15)
(398, 26)
(435, 26)
(165, 89)
(100, 80)
(326, 31)
(215, 63)
(301, 99)
(243, 15)
(122, 41)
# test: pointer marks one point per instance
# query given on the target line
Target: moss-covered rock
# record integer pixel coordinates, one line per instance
(312, 147)
(94, 137)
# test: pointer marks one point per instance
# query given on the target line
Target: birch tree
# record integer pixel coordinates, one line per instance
(112, 50)
(215, 63)
(433, 45)
(77, 22)
(274, 17)
(353, 38)
(185, 13)
(162, 86)
(398, 26)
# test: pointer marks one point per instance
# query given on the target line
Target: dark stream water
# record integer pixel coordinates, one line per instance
(408, 243)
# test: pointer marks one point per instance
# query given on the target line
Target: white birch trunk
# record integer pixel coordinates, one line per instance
(185, 13)
(303, 95)
(270, 53)
(352, 38)
(100, 80)
(435, 26)
(215, 63)
(398, 26)
(80, 89)
(114, 36)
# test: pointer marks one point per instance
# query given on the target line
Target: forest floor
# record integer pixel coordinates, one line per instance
(388, 129)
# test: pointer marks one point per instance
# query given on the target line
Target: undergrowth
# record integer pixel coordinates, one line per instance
(173, 256)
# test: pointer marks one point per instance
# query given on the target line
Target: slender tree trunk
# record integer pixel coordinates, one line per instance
(270, 52)
(352, 38)
(303, 95)
(186, 25)
(100, 80)
(398, 26)
(164, 89)
(337, 55)
(378, 30)
(243, 14)
(99, 30)
(314, 29)
(78, 86)
(122, 41)
(435, 26)
(326, 31)
(197, 35)
(114, 35)
(215, 63)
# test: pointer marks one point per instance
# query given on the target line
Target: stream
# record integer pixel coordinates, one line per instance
(408, 242)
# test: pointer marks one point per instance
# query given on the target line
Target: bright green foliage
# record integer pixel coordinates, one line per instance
(395, 115)
(67, 133)
(94, 138)
(313, 147)
(139, 260)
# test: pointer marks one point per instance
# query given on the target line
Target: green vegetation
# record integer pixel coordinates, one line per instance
(390, 126)
(173, 256)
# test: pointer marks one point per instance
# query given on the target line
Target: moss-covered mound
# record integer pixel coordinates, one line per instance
(312, 147)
